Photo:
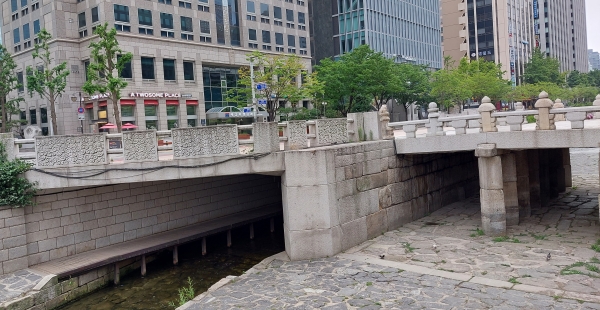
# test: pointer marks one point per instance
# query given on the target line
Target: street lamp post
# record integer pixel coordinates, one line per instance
(254, 103)
(74, 98)
(324, 104)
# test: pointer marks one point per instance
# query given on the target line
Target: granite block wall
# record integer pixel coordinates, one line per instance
(75, 221)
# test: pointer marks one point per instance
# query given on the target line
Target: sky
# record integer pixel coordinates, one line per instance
(592, 8)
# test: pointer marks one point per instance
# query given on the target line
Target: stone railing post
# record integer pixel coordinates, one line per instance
(545, 120)
(435, 127)
(519, 106)
(491, 182)
(488, 123)
(597, 103)
(140, 146)
(9, 145)
(385, 132)
(558, 105)
(295, 132)
(266, 137)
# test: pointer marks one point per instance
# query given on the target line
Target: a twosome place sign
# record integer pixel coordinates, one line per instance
(154, 95)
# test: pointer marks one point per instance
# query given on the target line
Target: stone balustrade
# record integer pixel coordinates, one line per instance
(489, 120)
(179, 143)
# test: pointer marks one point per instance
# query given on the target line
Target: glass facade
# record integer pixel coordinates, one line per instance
(481, 29)
(232, 19)
(216, 83)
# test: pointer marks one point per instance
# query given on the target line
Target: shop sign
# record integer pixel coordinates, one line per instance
(186, 95)
(100, 96)
(155, 95)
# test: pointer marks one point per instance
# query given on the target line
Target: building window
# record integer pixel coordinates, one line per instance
(203, 6)
(289, 15)
(252, 34)
(36, 27)
(33, 117)
(81, 19)
(264, 9)
(216, 82)
(291, 41)
(169, 69)
(204, 26)
(124, 28)
(302, 42)
(301, 18)
(172, 117)
(20, 81)
(278, 38)
(127, 111)
(121, 13)
(83, 33)
(148, 68)
(191, 115)
(165, 1)
(26, 34)
(148, 31)
(145, 17)
(186, 24)
(167, 34)
(95, 16)
(250, 7)
(23, 116)
(277, 12)
(266, 36)
(14, 5)
(185, 4)
(16, 36)
(35, 6)
(188, 71)
(43, 116)
(151, 117)
(126, 73)
(166, 21)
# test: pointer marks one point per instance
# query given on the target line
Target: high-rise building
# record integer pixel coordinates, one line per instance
(495, 30)
(507, 31)
(408, 31)
(563, 32)
(186, 54)
(594, 59)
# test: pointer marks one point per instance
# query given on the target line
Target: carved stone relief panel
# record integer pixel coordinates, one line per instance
(140, 146)
(332, 130)
(266, 137)
(70, 150)
(296, 135)
(202, 141)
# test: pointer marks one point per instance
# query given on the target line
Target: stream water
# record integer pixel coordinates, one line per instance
(162, 281)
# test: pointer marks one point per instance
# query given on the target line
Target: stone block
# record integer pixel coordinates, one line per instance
(14, 221)
(266, 137)
(17, 252)
(38, 258)
(309, 207)
(360, 205)
(55, 232)
(15, 264)
(17, 230)
(13, 242)
(371, 181)
(75, 228)
(65, 240)
(354, 233)
(88, 277)
(316, 243)
(398, 215)
(69, 285)
(493, 212)
(490, 173)
(140, 146)
(309, 167)
(102, 242)
(133, 225)
(85, 246)
(377, 224)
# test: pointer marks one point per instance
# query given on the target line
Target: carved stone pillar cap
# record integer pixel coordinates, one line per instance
(486, 105)
(433, 107)
(544, 102)
(558, 104)
(597, 101)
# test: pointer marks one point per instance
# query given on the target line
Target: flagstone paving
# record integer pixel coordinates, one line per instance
(547, 262)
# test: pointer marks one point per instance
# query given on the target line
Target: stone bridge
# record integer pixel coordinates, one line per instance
(338, 182)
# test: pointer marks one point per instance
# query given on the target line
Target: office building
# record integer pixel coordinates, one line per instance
(594, 59)
(408, 31)
(507, 31)
(186, 54)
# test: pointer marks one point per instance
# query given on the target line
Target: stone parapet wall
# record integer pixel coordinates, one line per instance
(338, 197)
(71, 222)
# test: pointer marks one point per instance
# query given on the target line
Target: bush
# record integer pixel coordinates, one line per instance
(185, 294)
(15, 190)
(530, 119)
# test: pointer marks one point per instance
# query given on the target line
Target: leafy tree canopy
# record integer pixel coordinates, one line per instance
(541, 68)
(8, 84)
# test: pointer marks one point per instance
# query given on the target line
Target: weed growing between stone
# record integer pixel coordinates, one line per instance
(185, 294)
(591, 269)
(596, 247)
(478, 232)
(506, 239)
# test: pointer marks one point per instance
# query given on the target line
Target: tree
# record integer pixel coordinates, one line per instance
(594, 78)
(15, 189)
(576, 78)
(541, 68)
(449, 86)
(345, 79)
(484, 78)
(8, 83)
(49, 83)
(104, 70)
(279, 74)
(414, 85)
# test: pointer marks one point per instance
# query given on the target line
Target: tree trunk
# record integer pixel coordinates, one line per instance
(53, 114)
(4, 117)
(116, 112)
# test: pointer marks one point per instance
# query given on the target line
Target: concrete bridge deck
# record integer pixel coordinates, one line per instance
(79, 263)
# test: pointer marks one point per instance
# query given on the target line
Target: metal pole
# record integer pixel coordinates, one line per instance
(254, 105)
(81, 107)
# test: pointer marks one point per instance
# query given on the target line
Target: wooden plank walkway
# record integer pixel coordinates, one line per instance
(79, 263)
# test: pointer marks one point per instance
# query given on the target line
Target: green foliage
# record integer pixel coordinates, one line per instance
(596, 246)
(541, 68)
(15, 189)
(279, 73)
(449, 86)
(514, 281)
(364, 74)
(484, 78)
(478, 232)
(48, 82)
(106, 64)
(8, 83)
(408, 248)
(506, 239)
(185, 294)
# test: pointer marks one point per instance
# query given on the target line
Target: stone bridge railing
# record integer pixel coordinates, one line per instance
(488, 119)
(180, 143)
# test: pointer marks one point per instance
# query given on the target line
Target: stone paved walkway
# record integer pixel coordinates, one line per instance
(448, 263)
(15, 284)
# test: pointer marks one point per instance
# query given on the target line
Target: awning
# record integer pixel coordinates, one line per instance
(172, 102)
(127, 102)
(89, 105)
(102, 103)
(151, 102)
(191, 102)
